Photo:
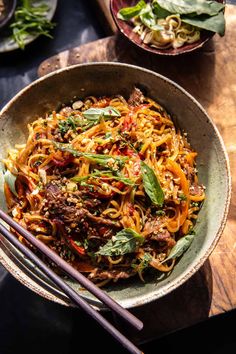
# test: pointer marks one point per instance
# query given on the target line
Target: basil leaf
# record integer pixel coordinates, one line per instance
(214, 24)
(129, 12)
(10, 179)
(125, 241)
(98, 113)
(199, 7)
(159, 11)
(108, 174)
(151, 185)
(112, 162)
(148, 18)
(180, 247)
(66, 148)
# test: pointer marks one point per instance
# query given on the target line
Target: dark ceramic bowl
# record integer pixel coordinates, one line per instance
(8, 13)
(98, 79)
(126, 29)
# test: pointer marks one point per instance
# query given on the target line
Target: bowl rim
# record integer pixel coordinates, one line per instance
(58, 296)
(156, 51)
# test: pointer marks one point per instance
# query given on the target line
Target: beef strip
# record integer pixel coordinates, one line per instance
(164, 236)
(152, 225)
(136, 98)
(57, 205)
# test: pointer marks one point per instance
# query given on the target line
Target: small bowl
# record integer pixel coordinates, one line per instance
(126, 29)
(8, 13)
(79, 81)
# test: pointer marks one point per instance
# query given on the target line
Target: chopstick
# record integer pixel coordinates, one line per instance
(72, 294)
(85, 282)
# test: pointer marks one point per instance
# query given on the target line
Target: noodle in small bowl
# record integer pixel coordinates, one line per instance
(113, 181)
(174, 38)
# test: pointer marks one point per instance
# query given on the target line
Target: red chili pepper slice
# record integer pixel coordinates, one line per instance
(79, 249)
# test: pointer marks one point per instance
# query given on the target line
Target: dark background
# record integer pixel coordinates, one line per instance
(31, 324)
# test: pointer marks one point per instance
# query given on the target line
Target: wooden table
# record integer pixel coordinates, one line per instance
(210, 76)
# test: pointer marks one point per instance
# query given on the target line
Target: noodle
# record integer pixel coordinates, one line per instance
(110, 185)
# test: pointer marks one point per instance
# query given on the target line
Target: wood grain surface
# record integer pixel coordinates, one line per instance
(210, 76)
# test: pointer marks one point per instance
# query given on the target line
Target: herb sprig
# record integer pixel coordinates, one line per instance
(30, 20)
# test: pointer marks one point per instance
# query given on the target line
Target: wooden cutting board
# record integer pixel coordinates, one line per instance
(210, 76)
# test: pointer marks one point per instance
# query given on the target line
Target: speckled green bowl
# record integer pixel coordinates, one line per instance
(107, 79)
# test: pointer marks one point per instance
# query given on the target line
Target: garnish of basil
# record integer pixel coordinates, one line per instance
(207, 15)
(129, 12)
(109, 161)
(148, 18)
(98, 113)
(107, 174)
(197, 7)
(152, 185)
(180, 247)
(210, 23)
(125, 241)
(10, 179)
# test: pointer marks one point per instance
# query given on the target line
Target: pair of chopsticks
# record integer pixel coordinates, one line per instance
(72, 294)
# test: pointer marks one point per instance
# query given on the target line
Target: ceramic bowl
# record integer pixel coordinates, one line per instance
(126, 29)
(98, 79)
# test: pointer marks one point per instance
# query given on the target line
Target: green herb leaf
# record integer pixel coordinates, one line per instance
(107, 174)
(148, 18)
(66, 125)
(182, 197)
(151, 185)
(125, 241)
(96, 114)
(10, 179)
(30, 20)
(129, 12)
(214, 24)
(112, 162)
(181, 246)
(144, 262)
(198, 7)
(159, 11)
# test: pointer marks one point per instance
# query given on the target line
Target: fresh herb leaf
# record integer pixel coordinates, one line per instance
(66, 125)
(107, 174)
(151, 185)
(214, 23)
(182, 197)
(197, 7)
(10, 179)
(144, 262)
(30, 20)
(108, 135)
(129, 12)
(125, 241)
(148, 18)
(112, 162)
(95, 114)
(181, 246)
(160, 213)
(159, 11)
(67, 148)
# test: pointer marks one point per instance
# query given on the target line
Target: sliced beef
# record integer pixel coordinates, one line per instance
(136, 98)
(164, 236)
(196, 189)
(152, 225)
(59, 204)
